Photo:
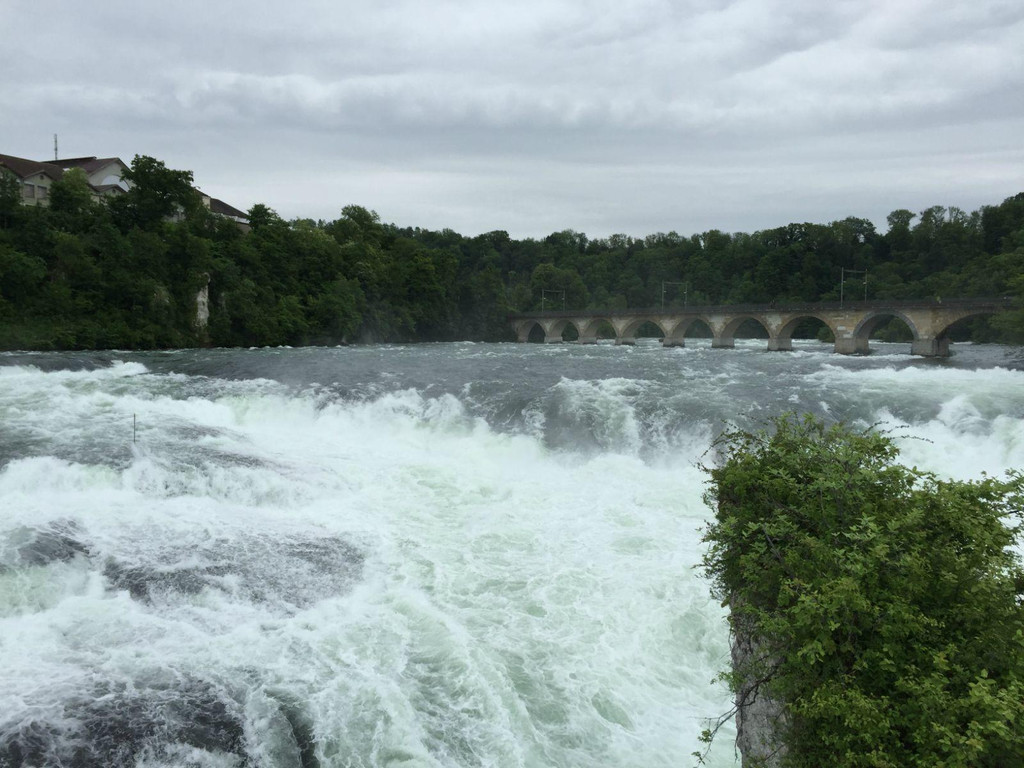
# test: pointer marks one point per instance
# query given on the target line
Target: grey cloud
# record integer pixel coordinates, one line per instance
(591, 114)
(912, 26)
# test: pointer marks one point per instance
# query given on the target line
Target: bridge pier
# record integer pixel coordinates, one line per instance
(587, 340)
(552, 338)
(780, 345)
(670, 342)
(850, 346)
(930, 347)
(628, 341)
(719, 342)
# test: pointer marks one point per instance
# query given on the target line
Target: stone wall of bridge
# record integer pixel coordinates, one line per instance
(851, 323)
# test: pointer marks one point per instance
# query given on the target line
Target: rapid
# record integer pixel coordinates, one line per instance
(430, 555)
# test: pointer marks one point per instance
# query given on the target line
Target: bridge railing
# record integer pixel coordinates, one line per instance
(988, 303)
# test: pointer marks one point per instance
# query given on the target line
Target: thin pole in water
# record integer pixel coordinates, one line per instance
(133, 428)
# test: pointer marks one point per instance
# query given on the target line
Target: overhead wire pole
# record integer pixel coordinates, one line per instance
(543, 297)
(842, 282)
(686, 291)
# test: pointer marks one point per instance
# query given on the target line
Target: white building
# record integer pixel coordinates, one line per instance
(35, 178)
(104, 174)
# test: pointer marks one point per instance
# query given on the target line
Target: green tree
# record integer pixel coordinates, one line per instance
(156, 193)
(548, 279)
(10, 197)
(898, 240)
(71, 196)
(885, 603)
(360, 225)
(1002, 221)
(290, 318)
(20, 275)
(1009, 266)
(337, 311)
(261, 216)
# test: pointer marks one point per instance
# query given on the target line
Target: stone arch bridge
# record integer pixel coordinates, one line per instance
(851, 322)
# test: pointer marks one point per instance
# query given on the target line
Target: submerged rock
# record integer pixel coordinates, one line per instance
(58, 541)
(300, 731)
(291, 574)
(164, 721)
(145, 583)
(119, 725)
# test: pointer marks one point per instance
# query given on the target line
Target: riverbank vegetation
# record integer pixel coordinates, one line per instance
(125, 273)
(880, 607)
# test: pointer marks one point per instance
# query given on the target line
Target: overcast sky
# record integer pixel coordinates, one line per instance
(631, 116)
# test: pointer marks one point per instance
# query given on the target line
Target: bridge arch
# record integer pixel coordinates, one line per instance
(539, 330)
(935, 343)
(678, 331)
(590, 329)
(533, 333)
(942, 329)
(872, 320)
(783, 339)
(556, 329)
(725, 335)
(628, 333)
(525, 328)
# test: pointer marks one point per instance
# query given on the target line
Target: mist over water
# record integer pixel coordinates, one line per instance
(432, 555)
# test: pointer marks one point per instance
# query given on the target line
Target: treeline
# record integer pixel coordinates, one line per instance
(125, 273)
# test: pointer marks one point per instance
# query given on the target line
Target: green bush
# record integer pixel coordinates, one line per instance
(887, 602)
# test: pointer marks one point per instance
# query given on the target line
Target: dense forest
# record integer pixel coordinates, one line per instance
(125, 273)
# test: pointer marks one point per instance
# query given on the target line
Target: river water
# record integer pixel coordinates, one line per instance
(432, 555)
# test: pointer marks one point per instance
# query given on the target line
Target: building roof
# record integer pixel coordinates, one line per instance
(87, 164)
(21, 167)
(222, 208)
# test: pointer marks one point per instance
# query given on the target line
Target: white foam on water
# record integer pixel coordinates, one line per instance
(959, 442)
(512, 605)
(601, 413)
(420, 587)
(968, 422)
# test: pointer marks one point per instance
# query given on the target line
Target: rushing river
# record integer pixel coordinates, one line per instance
(434, 555)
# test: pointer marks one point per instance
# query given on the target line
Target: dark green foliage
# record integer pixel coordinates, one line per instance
(888, 602)
(21, 275)
(156, 194)
(71, 200)
(10, 199)
(125, 272)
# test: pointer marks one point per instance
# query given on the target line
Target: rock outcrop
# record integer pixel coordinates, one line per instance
(760, 718)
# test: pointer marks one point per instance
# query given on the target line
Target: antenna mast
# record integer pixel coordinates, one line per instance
(55, 146)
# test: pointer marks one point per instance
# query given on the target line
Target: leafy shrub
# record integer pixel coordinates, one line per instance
(886, 603)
